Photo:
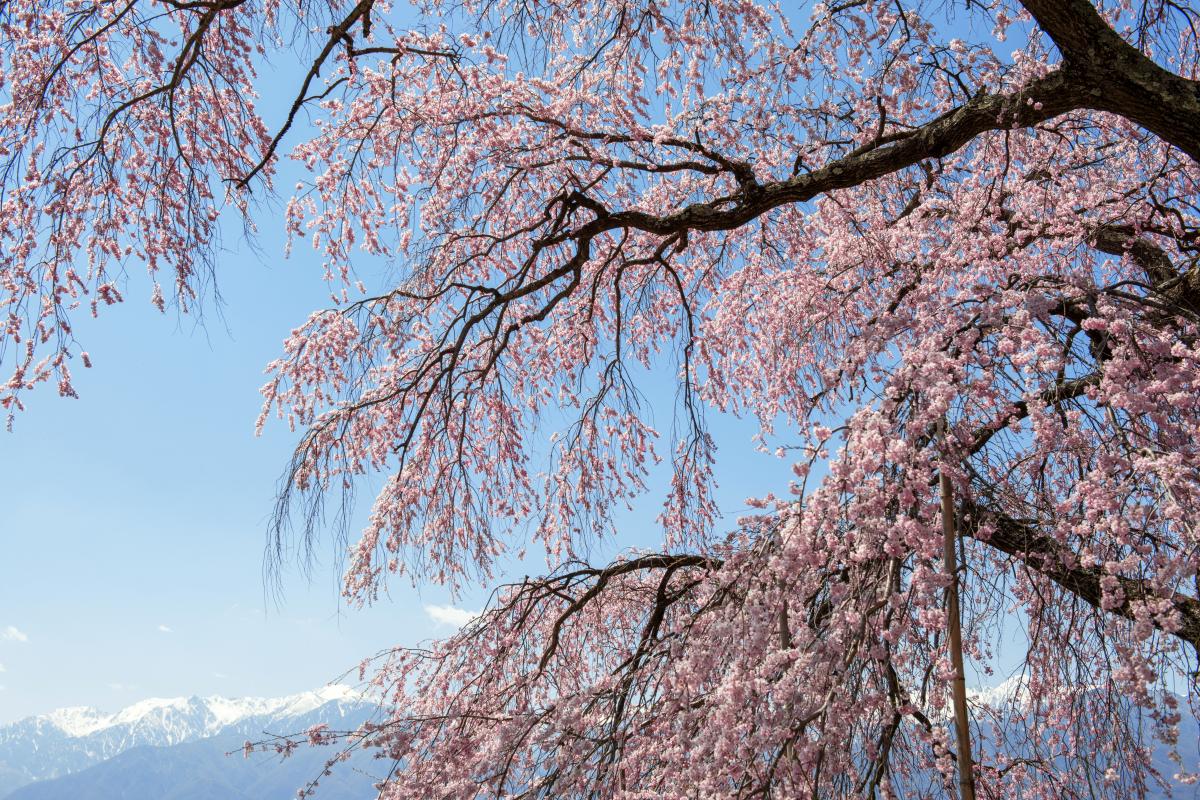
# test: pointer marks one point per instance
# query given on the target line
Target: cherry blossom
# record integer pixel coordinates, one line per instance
(949, 247)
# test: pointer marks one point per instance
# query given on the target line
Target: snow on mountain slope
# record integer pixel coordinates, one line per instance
(71, 739)
(217, 712)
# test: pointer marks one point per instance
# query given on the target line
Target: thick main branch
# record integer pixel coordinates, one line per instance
(1051, 558)
(1042, 99)
(1121, 79)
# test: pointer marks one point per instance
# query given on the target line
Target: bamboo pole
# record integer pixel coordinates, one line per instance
(958, 686)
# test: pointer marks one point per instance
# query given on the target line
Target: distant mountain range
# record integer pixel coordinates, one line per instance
(1006, 703)
(175, 750)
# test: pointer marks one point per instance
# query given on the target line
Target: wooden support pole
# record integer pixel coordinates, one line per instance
(962, 722)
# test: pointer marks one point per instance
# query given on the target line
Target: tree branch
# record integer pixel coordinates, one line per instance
(1042, 99)
(1121, 79)
(1058, 563)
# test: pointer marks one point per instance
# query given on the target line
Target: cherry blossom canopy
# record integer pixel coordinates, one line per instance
(923, 243)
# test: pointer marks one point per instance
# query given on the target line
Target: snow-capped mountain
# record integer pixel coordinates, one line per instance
(72, 739)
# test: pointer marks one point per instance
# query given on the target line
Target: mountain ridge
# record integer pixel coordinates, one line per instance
(70, 740)
(78, 721)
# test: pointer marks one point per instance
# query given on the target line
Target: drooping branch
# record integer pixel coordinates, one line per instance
(339, 34)
(600, 578)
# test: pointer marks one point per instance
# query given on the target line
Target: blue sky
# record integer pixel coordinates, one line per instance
(132, 520)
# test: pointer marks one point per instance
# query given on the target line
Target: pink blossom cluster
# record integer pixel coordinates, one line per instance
(911, 250)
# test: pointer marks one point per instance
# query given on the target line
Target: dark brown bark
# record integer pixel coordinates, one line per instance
(1051, 558)
(1100, 71)
(1041, 100)
(1120, 78)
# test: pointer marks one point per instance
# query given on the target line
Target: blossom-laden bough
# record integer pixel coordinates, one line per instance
(861, 222)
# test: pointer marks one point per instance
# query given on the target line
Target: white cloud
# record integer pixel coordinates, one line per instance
(165, 629)
(220, 675)
(3, 668)
(449, 615)
(13, 634)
